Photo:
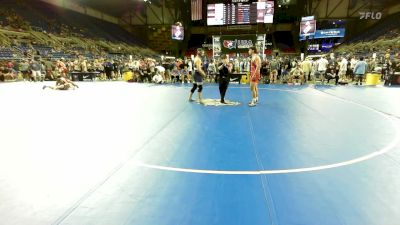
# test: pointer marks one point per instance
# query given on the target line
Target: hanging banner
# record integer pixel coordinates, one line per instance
(307, 28)
(216, 46)
(327, 33)
(330, 33)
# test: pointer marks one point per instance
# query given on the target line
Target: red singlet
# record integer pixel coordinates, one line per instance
(254, 75)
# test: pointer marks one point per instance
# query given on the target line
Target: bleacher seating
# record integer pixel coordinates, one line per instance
(6, 53)
(52, 32)
(43, 50)
(55, 20)
(382, 36)
(381, 29)
(59, 55)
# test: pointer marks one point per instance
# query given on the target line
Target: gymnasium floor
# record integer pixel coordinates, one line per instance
(120, 153)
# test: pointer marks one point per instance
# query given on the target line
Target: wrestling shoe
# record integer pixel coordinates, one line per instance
(252, 103)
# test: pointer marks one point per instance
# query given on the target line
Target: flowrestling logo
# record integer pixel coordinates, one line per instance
(370, 15)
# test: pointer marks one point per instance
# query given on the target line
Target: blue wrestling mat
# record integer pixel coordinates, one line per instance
(305, 155)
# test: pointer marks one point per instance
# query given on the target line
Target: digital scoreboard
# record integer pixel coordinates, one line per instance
(240, 13)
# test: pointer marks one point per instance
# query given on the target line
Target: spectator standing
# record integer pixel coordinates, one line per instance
(322, 66)
(343, 68)
(359, 70)
(24, 68)
(306, 67)
(36, 68)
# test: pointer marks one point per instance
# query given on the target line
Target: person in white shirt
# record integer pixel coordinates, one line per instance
(134, 65)
(161, 71)
(314, 68)
(190, 70)
(190, 66)
(322, 66)
(343, 68)
(158, 79)
(84, 66)
(353, 62)
(212, 70)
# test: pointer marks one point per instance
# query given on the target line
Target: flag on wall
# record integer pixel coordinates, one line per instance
(197, 9)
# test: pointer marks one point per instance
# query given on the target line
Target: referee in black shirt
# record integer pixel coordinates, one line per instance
(224, 70)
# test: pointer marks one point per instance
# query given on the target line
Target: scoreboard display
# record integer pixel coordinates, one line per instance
(240, 13)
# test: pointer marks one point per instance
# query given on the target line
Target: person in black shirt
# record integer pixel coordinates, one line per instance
(115, 67)
(331, 73)
(224, 70)
(108, 68)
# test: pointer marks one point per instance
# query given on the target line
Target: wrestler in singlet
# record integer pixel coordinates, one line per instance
(198, 76)
(254, 74)
(198, 79)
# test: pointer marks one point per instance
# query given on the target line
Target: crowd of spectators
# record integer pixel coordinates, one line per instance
(343, 69)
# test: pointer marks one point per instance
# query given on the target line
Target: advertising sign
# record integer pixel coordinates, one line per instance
(328, 33)
(237, 43)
